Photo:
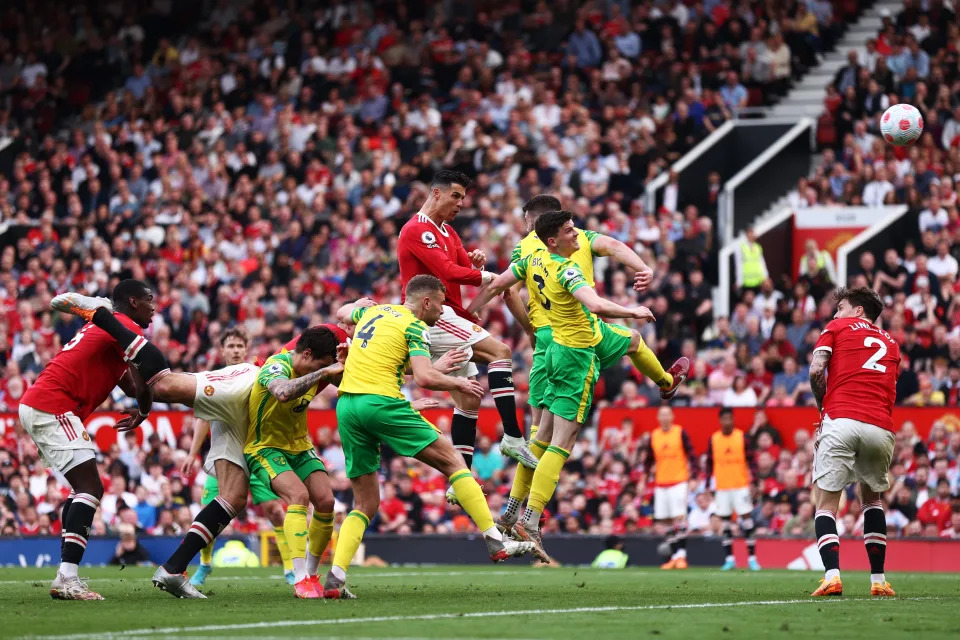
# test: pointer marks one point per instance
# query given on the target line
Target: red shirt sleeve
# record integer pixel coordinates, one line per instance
(439, 263)
(828, 336)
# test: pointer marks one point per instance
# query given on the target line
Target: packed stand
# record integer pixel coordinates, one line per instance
(255, 167)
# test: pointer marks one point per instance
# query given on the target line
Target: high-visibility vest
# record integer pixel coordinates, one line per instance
(730, 460)
(610, 559)
(751, 264)
(669, 456)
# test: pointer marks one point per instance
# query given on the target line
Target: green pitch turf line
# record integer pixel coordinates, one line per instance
(153, 631)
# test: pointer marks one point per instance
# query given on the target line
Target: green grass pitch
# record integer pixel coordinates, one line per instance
(506, 601)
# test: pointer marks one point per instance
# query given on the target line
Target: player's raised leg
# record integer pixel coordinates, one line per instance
(499, 362)
(145, 356)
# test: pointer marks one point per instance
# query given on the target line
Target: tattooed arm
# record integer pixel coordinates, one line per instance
(285, 389)
(818, 376)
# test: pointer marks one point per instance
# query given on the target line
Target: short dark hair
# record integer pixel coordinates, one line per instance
(423, 284)
(127, 289)
(862, 297)
(235, 332)
(447, 177)
(725, 411)
(539, 205)
(320, 340)
(548, 225)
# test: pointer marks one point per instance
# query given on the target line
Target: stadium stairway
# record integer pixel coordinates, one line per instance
(806, 97)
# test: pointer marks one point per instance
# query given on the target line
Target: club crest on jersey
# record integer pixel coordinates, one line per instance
(85, 436)
(208, 390)
(429, 239)
(477, 329)
(301, 406)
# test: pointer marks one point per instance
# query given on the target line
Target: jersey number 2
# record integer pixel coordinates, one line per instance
(873, 363)
(367, 333)
(541, 283)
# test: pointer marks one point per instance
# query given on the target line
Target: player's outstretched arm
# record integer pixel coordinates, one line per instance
(426, 376)
(200, 430)
(589, 298)
(518, 310)
(499, 284)
(604, 245)
(133, 384)
(818, 376)
(345, 313)
(285, 389)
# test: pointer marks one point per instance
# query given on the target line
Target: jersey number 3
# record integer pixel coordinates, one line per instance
(76, 339)
(541, 283)
(873, 363)
(367, 333)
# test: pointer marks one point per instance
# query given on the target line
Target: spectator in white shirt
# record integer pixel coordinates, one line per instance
(934, 217)
(943, 264)
(863, 138)
(546, 115)
(875, 193)
(594, 178)
(740, 395)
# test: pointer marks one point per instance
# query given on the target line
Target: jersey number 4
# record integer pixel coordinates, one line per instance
(367, 333)
(541, 283)
(873, 363)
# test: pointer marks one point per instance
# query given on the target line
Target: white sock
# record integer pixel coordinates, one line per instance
(493, 532)
(205, 564)
(338, 573)
(877, 577)
(831, 574)
(531, 519)
(69, 570)
(313, 563)
(299, 568)
(730, 558)
(681, 553)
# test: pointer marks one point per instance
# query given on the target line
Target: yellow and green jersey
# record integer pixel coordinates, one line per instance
(275, 424)
(555, 279)
(583, 257)
(385, 338)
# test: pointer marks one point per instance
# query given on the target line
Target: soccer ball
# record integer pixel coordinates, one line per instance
(901, 125)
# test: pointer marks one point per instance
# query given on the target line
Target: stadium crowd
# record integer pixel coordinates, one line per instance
(255, 167)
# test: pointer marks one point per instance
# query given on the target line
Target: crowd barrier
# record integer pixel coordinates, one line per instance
(700, 423)
(915, 554)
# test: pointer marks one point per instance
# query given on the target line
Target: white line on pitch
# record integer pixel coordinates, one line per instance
(447, 616)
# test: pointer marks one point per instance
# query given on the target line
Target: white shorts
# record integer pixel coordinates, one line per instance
(226, 443)
(61, 439)
(452, 331)
(848, 450)
(730, 501)
(223, 399)
(670, 502)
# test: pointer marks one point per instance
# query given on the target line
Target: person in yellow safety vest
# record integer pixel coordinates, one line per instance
(613, 556)
(235, 554)
(751, 267)
(823, 260)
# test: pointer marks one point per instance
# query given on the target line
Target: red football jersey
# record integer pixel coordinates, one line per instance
(341, 337)
(424, 247)
(83, 374)
(863, 371)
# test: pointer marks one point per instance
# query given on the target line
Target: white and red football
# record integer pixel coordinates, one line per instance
(901, 125)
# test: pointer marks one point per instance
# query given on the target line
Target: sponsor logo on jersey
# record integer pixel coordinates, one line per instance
(208, 390)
